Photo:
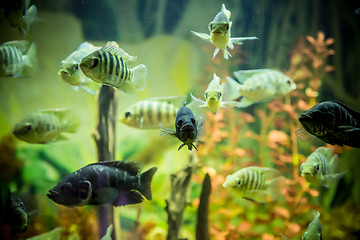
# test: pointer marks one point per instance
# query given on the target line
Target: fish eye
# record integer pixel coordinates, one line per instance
(206, 95)
(211, 26)
(193, 121)
(220, 94)
(27, 128)
(288, 82)
(227, 26)
(83, 194)
(317, 167)
(180, 123)
(239, 183)
(127, 114)
(76, 67)
(94, 62)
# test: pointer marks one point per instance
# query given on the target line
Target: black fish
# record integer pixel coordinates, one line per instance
(113, 182)
(13, 212)
(187, 130)
(332, 122)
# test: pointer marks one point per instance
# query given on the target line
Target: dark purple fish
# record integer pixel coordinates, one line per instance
(333, 122)
(113, 182)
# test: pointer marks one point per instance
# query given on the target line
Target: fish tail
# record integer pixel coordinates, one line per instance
(145, 182)
(139, 76)
(69, 120)
(231, 89)
(30, 17)
(275, 186)
(30, 57)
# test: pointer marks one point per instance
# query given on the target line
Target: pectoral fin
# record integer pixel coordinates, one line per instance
(203, 36)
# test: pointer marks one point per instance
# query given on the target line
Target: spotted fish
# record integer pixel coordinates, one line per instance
(117, 183)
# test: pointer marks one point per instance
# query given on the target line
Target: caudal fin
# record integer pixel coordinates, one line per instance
(139, 76)
(145, 183)
(275, 186)
(30, 57)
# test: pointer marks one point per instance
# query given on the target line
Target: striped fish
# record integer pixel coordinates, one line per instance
(15, 56)
(150, 113)
(109, 65)
(113, 182)
(333, 122)
(257, 85)
(252, 183)
(314, 230)
(318, 169)
(46, 126)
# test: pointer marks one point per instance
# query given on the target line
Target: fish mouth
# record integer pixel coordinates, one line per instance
(187, 127)
(305, 117)
(53, 194)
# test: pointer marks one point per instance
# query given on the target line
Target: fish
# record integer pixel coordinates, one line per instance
(332, 122)
(188, 129)
(70, 71)
(16, 57)
(150, 113)
(117, 183)
(20, 14)
(318, 169)
(254, 184)
(46, 126)
(256, 86)
(213, 97)
(314, 229)
(109, 65)
(13, 212)
(220, 31)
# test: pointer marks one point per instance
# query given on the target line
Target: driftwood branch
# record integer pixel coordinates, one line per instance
(104, 136)
(175, 206)
(202, 228)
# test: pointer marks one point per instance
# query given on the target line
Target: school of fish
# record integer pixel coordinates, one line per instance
(119, 183)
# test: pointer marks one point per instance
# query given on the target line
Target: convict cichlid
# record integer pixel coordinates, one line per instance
(255, 183)
(220, 30)
(117, 183)
(16, 57)
(213, 97)
(109, 65)
(152, 113)
(46, 126)
(319, 167)
(257, 85)
(314, 229)
(20, 14)
(188, 130)
(333, 122)
(70, 71)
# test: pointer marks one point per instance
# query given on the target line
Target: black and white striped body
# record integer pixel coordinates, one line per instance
(11, 61)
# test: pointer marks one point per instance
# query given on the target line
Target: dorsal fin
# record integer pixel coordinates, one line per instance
(114, 48)
(22, 45)
(130, 167)
(352, 111)
(243, 75)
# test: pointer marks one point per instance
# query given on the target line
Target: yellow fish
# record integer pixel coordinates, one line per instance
(150, 113)
(220, 30)
(109, 65)
(46, 126)
(70, 71)
(252, 183)
(17, 56)
(318, 169)
(213, 97)
(257, 85)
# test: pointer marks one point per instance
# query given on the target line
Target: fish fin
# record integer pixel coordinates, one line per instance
(240, 40)
(203, 36)
(76, 88)
(331, 179)
(166, 132)
(303, 135)
(230, 104)
(114, 48)
(105, 195)
(216, 52)
(194, 147)
(230, 89)
(244, 102)
(352, 111)
(275, 186)
(333, 162)
(349, 129)
(230, 45)
(145, 182)
(268, 172)
(131, 167)
(141, 122)
(243, 75)
(255, 196)
(87, 89)
(175, 100)
(126, 197)
(327, 152)
(224, 10)
(61, 137)
(30, 17)
(139, 76)
(197, 106)
(226, 53)
(30, 57)
(22, 45)
(108, 233)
